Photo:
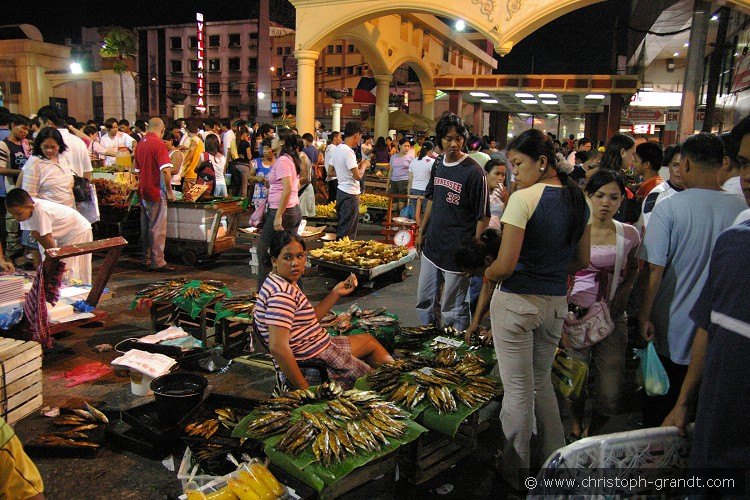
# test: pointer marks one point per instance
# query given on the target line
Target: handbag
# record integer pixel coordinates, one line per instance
(258, 217)
(597, 323)
(81, 188)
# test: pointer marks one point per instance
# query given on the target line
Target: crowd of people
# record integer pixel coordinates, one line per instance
(542, 237)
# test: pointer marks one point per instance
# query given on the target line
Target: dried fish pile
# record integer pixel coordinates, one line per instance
(441, 380)
(225, 417)
(355, 317)
(79, 422)
(208, 287)
(240, 304)
(161, 291)
(351, 422)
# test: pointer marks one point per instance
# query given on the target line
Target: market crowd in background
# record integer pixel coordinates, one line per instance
(540, 237)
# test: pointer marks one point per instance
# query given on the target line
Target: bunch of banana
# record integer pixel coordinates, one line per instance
(326, 211)
(373, 200)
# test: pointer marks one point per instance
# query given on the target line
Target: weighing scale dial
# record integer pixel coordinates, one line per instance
(404, 238)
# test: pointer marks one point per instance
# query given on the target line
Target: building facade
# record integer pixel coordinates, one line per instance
(167, 63)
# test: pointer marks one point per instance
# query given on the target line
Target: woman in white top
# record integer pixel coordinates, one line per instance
(218, 160)
(306, 189)
(47, 175)
(176, 157)
(420, 170)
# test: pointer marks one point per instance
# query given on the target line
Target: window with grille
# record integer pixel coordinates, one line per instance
(176, 66)
(234, 64)
(214, 65)
(234, 39)
(214, 88)
(175, 42)
(214, 40)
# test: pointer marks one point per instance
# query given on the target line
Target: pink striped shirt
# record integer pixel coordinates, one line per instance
(283, 304)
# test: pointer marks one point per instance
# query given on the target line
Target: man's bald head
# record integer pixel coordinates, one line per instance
(156, 124)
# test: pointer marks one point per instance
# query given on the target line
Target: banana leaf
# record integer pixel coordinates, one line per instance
(426, 414)
(222, 313)
(306, 468)
(194, 305)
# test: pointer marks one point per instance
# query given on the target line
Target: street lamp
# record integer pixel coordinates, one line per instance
(76, 68)
(460, 25)
(273, 69)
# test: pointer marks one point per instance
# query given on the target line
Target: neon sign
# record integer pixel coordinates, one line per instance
(201, 106)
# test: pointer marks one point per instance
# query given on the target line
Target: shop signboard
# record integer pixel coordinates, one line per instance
(672, 120)
(646, 115)
(201, 75)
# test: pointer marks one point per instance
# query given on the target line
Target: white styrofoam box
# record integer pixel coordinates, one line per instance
(198, 232)
(193, 215)
(173, 230)
(172, 215)
(254, 256)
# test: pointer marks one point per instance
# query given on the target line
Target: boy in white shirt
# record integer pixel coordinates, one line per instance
(54, 226)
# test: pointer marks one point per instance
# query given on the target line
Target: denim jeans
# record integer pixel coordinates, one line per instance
(290, 221)
(154, 231)
(347, 208)
(526, 330)
(450, 308)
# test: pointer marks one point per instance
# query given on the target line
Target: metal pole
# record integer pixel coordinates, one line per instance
(714, 70)
(694, 68)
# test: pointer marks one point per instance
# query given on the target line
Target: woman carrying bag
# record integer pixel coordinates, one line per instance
(596, 328)
(283, 212)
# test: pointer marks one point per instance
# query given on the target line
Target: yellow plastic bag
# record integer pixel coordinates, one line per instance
(568, 375)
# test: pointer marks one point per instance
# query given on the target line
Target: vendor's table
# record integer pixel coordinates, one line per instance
(193, 228)
(398, 267)
(20, 378)
(113, 247)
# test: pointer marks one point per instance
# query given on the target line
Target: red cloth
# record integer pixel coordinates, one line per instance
(150, 155)
(44, 289)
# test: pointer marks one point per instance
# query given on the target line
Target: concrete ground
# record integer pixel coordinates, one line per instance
(126, 475)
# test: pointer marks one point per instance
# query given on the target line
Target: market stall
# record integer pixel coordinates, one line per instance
(366, 259)
(201, 229)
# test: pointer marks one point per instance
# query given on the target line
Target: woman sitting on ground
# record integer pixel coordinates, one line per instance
(290, 325)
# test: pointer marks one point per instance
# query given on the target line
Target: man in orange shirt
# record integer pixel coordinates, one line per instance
(646, 164)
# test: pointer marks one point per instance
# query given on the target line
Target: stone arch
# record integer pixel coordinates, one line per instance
(365, 46)
(504, 22)
(425, 78)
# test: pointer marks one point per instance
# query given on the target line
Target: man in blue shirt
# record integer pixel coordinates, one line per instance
(677, 247)
(721, 349)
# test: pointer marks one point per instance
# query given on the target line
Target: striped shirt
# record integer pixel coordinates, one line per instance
(283, 304)
(48, 180)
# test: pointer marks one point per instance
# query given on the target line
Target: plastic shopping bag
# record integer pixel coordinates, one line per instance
(568, 375)
(655, 379)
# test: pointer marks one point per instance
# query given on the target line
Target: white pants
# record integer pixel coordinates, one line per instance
(77, 268)
(526, 330)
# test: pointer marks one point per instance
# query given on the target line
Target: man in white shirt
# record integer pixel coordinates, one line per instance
(114, 139)
(330, 171)
(54, 226)
(584, 144)
(77, 153)
(348, 174)
(227, 138)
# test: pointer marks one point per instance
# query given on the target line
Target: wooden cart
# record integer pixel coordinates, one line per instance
(193, 228)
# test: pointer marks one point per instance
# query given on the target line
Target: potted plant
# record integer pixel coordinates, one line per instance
(336, 93)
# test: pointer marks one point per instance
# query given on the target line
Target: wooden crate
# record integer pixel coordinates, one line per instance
(432, 452)
(373, 481)
(235, 335)
(20, 378)
(203, 327)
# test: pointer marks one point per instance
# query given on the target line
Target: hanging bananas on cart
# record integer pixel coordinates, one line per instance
(373, 200)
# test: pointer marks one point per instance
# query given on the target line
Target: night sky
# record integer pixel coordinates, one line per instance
(577, 43)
